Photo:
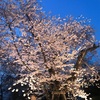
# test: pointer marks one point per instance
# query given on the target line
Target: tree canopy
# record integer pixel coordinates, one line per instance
(50, 54)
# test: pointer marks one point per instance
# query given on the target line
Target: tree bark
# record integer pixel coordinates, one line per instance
(59, 95)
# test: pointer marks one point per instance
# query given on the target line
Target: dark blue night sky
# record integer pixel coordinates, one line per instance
(88, 8)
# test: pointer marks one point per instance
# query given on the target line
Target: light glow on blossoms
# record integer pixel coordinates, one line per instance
(51, 55)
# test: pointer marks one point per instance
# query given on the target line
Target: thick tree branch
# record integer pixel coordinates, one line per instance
(50, 70)
(80, 59)
(17, 49)
(82, 55)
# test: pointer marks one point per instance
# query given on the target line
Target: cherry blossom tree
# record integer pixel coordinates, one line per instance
(50, 54)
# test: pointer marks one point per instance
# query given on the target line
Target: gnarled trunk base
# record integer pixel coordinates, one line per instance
(59, 95)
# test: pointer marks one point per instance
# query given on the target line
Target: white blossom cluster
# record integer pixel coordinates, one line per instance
(47, 49)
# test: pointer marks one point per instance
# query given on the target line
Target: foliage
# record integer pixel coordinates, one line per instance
(50, 54)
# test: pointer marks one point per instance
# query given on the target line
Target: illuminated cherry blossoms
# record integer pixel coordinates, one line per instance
(52, 53)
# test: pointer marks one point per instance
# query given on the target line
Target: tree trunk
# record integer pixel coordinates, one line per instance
(33, 97)
(59, 95)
